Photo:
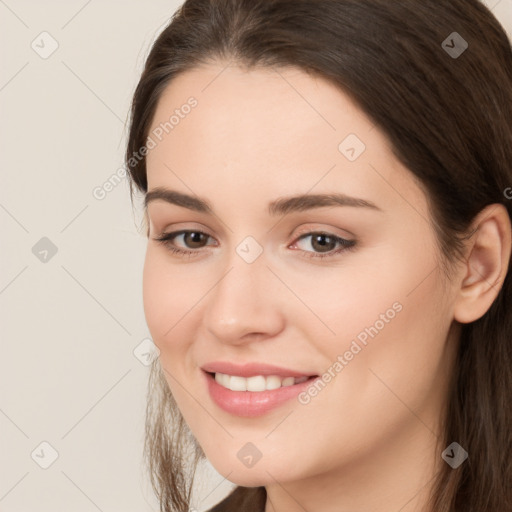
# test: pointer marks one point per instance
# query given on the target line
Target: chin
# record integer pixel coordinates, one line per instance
(262, 473)
(247, 478)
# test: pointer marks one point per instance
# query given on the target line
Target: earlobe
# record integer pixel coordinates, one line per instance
(486, 265)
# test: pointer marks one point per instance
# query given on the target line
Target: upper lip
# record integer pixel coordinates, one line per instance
(252, 369)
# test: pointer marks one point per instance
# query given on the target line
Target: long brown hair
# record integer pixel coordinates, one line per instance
(449, 120)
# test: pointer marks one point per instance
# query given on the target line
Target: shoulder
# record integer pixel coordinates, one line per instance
(243, 499)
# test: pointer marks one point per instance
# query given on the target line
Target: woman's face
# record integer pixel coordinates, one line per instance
(371, 318)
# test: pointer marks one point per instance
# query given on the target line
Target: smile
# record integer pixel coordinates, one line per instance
(253, 396)
(257, 383)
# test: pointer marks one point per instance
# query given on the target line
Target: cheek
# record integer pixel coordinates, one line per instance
(386, 313)
(394, 344)
(167, 297)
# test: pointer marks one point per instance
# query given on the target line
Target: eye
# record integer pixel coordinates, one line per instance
(192, 239)
(326, 244)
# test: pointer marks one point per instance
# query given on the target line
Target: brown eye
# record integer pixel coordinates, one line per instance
(191, 241)
(194, 239)
(323, 243)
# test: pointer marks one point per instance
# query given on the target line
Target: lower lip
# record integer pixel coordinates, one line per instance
(252, 403)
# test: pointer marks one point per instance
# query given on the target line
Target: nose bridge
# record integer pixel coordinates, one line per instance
(243, 301)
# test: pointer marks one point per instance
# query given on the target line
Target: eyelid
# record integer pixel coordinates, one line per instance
(345, 244)
(181, 227)
(178, 232)
(304, 230)
(310, 228)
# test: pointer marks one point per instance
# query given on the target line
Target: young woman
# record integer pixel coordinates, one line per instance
(327, 192)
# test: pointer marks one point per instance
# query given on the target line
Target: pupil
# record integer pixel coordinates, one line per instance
(194, 237)
(321, 240)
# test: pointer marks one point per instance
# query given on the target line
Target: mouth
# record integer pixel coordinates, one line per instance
(256, 395)
(257, 383)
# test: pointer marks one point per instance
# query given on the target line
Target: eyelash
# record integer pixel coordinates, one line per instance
(346, 245)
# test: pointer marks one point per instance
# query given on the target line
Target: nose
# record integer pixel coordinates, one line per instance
(245, 303)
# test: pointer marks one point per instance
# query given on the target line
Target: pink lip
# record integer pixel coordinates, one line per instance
(252, 369)
(252, 403)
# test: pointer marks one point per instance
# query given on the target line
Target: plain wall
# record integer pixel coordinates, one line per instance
(72, 320)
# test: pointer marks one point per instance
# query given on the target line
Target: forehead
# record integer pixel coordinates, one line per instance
(257, 113)
(270, 130)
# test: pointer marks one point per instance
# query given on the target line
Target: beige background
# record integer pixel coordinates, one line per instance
(72, 325)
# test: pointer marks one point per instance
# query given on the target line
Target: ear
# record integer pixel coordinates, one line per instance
(486, 265)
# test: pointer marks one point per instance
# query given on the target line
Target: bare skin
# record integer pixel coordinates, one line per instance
(367, 440)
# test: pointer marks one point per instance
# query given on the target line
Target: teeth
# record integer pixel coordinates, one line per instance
(256, 383)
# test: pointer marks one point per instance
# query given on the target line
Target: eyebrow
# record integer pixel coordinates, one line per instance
(280, 206)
